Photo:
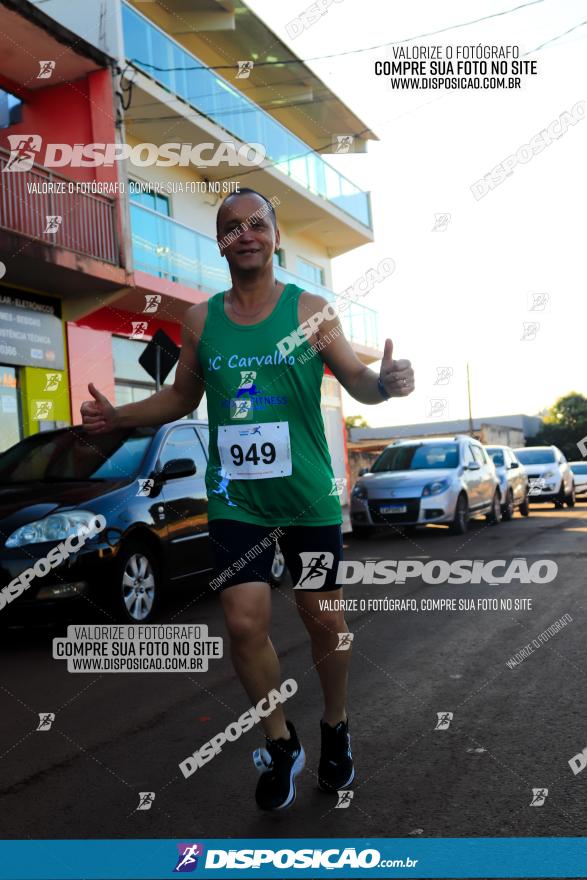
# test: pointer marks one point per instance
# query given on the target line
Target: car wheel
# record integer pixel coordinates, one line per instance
(525, 506)
(278, 568)
(494, 517)
(460, 522)
(570, 498)
(137, 584)
(507, 511)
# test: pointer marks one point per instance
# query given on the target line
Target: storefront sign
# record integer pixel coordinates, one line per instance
(30, 338)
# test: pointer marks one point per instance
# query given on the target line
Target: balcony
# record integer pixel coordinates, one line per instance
(88, 222)
(168, 249)
(148, 47)
(358, 321)
(80, 259)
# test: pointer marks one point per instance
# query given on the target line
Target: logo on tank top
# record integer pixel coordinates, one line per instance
(249, 399)
(247, 384)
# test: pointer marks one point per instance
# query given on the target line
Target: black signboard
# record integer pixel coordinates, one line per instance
(162, 348)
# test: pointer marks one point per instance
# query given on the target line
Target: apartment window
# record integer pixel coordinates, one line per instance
(10, 109)
(132, 382)
(309, 271)
(152, 228)
(154, 201)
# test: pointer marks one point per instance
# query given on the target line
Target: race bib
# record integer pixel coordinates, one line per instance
(255, 452)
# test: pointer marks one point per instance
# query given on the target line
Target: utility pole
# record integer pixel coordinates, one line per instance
(158, 368)
(469, 397)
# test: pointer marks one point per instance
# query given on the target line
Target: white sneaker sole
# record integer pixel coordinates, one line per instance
(296, 768)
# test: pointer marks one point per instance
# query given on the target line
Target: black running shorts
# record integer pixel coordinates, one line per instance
(244, 552)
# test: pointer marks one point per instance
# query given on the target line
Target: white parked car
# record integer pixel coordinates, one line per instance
(579, 469)
(513, 481)
(432, 480)
(551, 478)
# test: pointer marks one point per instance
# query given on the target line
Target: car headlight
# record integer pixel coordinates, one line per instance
(435, 488)
(57, 527)
(359, 492)
(548, 475)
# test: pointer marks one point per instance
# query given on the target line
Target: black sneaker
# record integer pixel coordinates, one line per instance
(336, 769)
(278, 764)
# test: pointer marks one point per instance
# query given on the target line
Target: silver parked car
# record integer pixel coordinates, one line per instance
(432, 480)
(579, 469)
(513, 481)
(551, 478)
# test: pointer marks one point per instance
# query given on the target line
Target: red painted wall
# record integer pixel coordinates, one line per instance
(79, 112)
(117, 321)
(90, 350)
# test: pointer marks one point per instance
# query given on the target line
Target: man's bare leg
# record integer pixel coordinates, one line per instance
(247, 611)
(331, 665)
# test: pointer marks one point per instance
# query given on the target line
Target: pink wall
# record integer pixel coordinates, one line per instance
(90, 360)
(90, 351)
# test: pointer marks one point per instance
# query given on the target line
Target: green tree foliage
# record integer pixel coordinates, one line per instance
(565, 424)
(355, 422)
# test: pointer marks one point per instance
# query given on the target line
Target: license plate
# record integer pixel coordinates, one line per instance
(393, 508)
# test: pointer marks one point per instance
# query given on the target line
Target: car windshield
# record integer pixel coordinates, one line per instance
(535, 456)
(497, 457)
(579, 468)
(73, 454)
(422, 457)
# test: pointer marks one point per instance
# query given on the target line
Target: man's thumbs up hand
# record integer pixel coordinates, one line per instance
(98, 415)
(397, 377)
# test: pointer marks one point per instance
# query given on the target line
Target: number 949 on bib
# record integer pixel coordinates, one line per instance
(255, 452)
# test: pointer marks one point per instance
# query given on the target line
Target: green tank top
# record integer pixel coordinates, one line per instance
(268, 461)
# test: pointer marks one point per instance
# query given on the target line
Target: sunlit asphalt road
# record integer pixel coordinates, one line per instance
(512, 729)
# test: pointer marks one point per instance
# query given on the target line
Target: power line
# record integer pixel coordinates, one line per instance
(554, 39)
(451, 27)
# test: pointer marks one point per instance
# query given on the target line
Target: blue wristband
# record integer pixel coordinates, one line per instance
(381, 388)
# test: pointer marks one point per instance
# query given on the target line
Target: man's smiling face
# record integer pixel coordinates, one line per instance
(256, 237)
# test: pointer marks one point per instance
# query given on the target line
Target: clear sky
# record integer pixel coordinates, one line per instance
(463, 294)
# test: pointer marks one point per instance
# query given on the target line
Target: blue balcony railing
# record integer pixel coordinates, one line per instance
(168, 249)
(359, 322)
(212, 96)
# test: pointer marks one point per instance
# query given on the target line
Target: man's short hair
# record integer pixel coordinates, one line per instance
(246, 191)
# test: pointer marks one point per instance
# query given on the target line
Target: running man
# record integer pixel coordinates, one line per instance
(276, 473)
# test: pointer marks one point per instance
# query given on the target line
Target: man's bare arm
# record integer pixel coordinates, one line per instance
(335, 350)
(171, 402)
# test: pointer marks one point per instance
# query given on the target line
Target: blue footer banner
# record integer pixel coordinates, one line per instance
(306, 857)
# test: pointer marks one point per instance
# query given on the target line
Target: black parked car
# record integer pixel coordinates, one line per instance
(148, 484)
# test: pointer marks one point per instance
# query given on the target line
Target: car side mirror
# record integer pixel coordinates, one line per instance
(473, 466)
(177, 467)
(363, 471)
(515, 464)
